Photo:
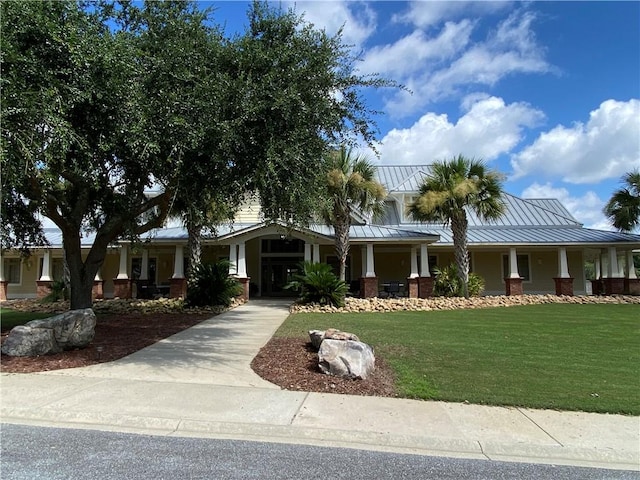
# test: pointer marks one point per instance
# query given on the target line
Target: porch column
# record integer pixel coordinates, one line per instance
(97, 291)
(46, 267)
(144, 267)
(122, 284)
(412, 280)
(564, 283)
(363, 252)
(614, 283)
(316, 253)
(425, 282)
(307, 252)
(178, 284)
(513, 282)
(242, 271)
(3, 281)
(631, 281)
(369, 282)
(596, 283)
(233, 259)
(44, 283)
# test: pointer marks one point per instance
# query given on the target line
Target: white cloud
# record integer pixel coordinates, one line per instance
(409, 54)
(587, 208)
(358, 19)
(511, 48)
(426, 14)
(488, 129)
(607, 146)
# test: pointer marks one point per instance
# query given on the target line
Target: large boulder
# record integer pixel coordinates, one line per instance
(346, 358)
(72, 329)
(317, 336)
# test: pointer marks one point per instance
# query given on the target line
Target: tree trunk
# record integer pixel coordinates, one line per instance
(459, 230)
(194, 244)
(81, 273)
(341, 229)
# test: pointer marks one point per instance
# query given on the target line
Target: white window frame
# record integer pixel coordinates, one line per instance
(406, 200)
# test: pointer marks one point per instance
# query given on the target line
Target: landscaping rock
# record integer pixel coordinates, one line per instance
(346, 358)
(72, 329)
(317, 336)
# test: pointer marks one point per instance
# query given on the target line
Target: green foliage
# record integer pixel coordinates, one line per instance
(211, 285)
(59, 291)
(318, 284)
(623, 209)
(448, 284)
(451, 187)
(102, 101)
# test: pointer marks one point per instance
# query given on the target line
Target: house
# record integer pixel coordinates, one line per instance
(536, 247)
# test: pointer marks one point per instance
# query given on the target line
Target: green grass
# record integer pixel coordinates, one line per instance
(10, 318)
(558, 356)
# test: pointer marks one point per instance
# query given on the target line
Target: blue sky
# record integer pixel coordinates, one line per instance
(546, 92)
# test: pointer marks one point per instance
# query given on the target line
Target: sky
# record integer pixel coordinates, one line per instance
(547, 93)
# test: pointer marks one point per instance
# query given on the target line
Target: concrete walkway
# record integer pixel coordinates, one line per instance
(199, 383)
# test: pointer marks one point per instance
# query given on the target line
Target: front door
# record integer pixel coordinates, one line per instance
(278, 272)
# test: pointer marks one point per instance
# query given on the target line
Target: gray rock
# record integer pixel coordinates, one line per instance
(317, 336)
(346, 358)
(24, 341)
(72, 329)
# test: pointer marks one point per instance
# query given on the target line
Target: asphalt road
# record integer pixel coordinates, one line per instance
(32, 453)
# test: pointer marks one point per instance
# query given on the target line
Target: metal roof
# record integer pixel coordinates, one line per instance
(393, 176)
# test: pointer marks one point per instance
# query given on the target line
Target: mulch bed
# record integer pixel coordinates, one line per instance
(116, 336)
(290, 363)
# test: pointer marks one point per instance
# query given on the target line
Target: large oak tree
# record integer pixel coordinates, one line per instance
(103, 101)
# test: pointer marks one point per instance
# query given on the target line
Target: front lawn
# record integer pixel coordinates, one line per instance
(559, 356)
(10, 318)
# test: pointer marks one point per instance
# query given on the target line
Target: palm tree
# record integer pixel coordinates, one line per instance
(452, 187)
(623, 209)
(351, 184)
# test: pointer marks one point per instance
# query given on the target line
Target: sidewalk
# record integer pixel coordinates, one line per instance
(198, 383)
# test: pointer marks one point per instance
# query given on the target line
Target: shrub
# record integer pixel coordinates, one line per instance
(447, 283)
(210, 285)
(58, 292)
(318, 284)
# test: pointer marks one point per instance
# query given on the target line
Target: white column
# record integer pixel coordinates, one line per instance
(363, 251)
(122, 269)
(613, 262)
(98, 277)
(604, 264)
(424, 261)
(631, 269)
(307, 252)
(2, 279)
(414, 262)
(596, 266)
(513, 263)
(316, 253)
(233, 258)
(46, 267)
(563, 268)
(178, 262)
(371, 271)
(242, 261)
(144, 267)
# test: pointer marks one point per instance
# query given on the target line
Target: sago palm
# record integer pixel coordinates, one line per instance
(450, 188)
(351, 184)
(623, 209)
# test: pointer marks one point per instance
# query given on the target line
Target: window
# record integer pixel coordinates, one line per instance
(523, 267)
(136, 269)
(408, 200)
(12, 270)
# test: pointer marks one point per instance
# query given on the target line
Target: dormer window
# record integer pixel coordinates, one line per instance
(408, 200)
